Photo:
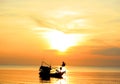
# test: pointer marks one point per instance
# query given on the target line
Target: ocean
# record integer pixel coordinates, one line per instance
(74, 75)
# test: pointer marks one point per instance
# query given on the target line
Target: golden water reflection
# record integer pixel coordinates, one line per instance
(61, 81)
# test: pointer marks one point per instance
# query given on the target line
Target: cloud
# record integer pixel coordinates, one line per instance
(114, 51)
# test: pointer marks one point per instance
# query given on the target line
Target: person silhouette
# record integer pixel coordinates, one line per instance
(63, 64)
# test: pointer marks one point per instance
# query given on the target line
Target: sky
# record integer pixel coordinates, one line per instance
(79, 32)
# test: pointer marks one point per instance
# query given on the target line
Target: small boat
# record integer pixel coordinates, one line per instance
(45, 72)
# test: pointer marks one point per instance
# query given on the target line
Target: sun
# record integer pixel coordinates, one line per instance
(61, 41)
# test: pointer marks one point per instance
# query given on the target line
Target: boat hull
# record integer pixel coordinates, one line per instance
(56, 75)
(46, 75)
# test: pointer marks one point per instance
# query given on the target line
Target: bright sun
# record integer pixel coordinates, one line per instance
(61, 41)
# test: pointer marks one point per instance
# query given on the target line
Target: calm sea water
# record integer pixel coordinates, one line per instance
(75, 75)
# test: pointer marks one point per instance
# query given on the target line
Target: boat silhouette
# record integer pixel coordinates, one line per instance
(45, 71)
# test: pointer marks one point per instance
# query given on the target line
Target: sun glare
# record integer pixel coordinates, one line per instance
(61, 41)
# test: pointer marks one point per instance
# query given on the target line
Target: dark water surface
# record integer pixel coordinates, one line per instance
(75, 75)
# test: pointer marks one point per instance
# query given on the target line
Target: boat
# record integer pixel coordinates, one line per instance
(45, 72)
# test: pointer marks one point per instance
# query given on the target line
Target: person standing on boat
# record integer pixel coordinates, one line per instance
(62, 69)
(63, 64)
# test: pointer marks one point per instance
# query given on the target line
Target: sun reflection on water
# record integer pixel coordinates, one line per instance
(61, 81)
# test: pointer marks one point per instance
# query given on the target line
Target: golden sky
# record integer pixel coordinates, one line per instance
(79, 32)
